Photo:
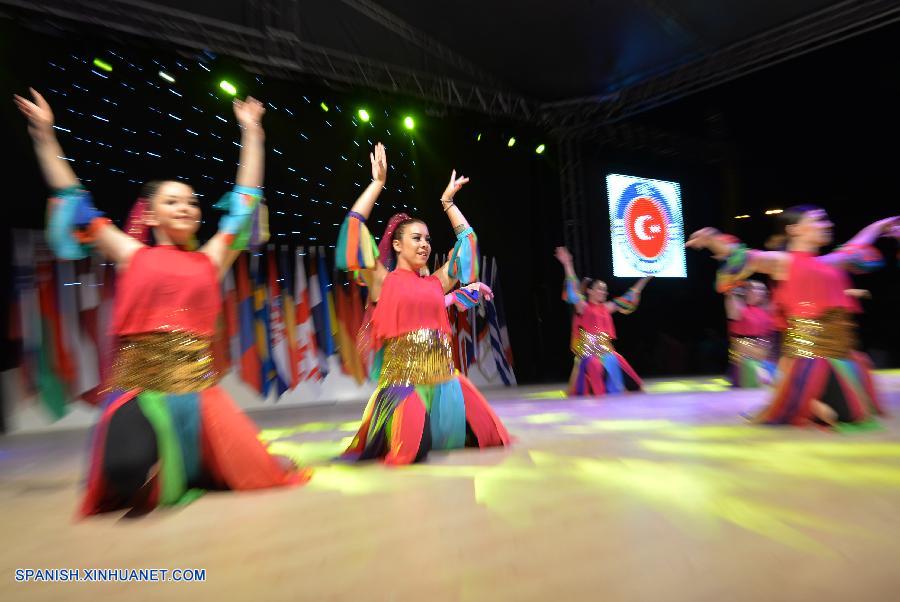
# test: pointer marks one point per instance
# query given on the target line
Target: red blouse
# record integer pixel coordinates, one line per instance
(409, 302)
(813, 286)
(164, 289)
(755, 321)
(594, 319)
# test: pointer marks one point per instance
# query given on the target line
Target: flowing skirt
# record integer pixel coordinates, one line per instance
(402, 423)
(601, 374)
(750, 373)
(845, 385)
(152, 448)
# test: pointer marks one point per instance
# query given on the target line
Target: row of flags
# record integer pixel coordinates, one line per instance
(480, 334)
(285, 313)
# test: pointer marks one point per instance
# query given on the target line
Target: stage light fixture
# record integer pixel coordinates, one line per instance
(167, 77)
(409, 123)
(540, 149)
(363, 115)
(512, 142)
(323, 106)
(228, 87)
(99, 64)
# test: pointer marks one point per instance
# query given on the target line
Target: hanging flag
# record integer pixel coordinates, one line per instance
(497, 302)
(231, 318)
(484, 358)
(307, 354)
(281, 352)
(350, 358)
(328, 296)
(290, 313)
(268, 374)
(319, 313)
(498, 353)
(250, 369)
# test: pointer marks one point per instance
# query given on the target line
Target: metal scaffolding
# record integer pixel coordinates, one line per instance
(573, 203)
(279, 52)
(817, 30)
(269, 43)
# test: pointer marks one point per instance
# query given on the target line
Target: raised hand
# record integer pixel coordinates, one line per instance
(454, 186)
(39, 114)
(702, 238)
(379, 163)
(858, 293)
(482, 289)
(889, 226)
(563, 256)
(249, 113)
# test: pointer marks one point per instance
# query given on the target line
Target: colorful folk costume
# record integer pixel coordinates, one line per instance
(599, 369)
(167, 431)
(819, 361)
(421, 402)
(749, 350)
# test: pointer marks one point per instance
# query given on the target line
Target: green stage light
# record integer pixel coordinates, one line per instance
(102, 65)
(512, 142)
(323, 106)
(540, 149)
(363, 115)
(228, 87)
(409, 123)
(478, 137)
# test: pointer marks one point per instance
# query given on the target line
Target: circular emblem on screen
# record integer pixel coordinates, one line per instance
(645, 227)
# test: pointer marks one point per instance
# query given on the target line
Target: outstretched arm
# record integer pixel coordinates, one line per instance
(249, 179)
(627, 303)
(356, 248)
(468, 296)
(773, 263)
(883, 227)
(57, 171)
(74, 224)
(571, 294)
(463, 262)
(858, 255)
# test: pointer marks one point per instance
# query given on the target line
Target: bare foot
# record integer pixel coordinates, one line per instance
(824, 412)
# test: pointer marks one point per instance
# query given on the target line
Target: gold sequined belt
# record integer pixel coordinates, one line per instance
(756, 348)
(420, 357)
(172, 362)
(831, 335)
(588, 344)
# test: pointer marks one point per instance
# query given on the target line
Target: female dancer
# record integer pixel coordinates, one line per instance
(166, 428)
(421, 402)
(598, 368)
(750, 330)
(824, 380)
